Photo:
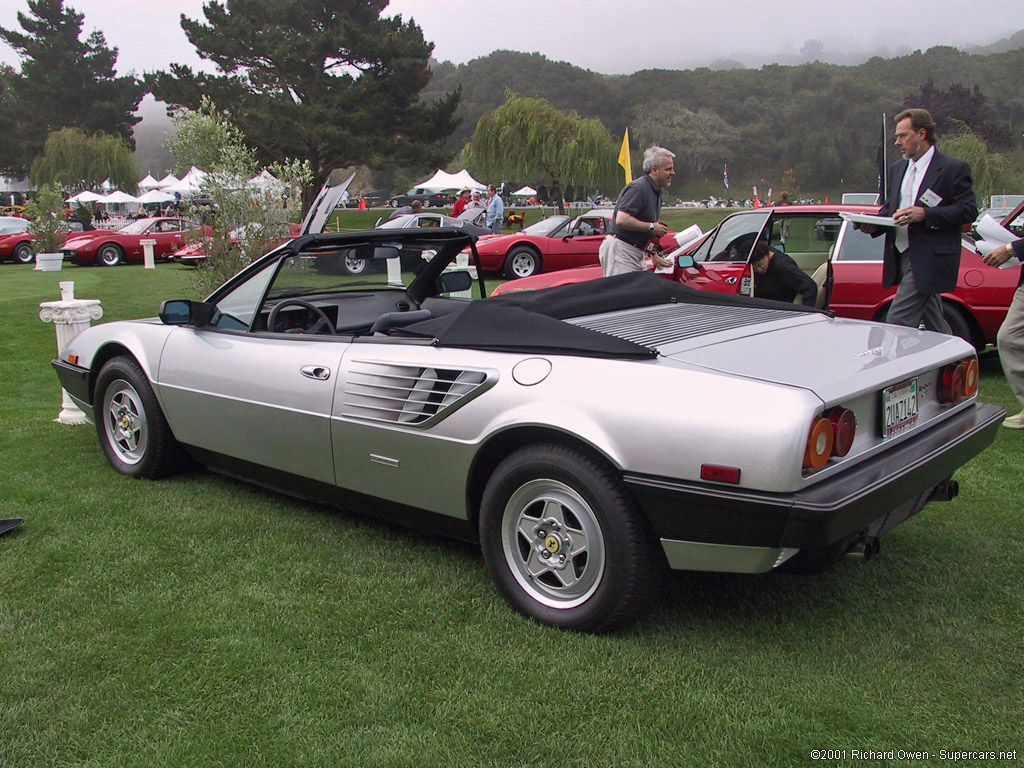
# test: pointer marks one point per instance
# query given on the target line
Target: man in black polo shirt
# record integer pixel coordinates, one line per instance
(778, 277)
(636, 218)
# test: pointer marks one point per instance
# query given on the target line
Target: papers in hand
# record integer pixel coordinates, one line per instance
(994, 235)
(867, 218)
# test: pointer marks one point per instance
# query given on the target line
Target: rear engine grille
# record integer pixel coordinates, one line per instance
(408, 394)
(653, 326)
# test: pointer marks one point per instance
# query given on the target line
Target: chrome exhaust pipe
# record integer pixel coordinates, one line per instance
(947, 490)
(865, 548)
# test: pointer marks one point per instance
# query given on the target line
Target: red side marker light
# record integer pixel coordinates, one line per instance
(719, 474)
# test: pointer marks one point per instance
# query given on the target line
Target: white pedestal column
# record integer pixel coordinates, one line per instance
(70, 317)
(148, 258)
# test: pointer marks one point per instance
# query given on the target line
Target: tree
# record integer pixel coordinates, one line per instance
(958, 105)
(64, 81)
(328, 81)
(47, 214)
(76, 161)
(988, 170)
(528, 138)
(246, 218)
(699, 138)
(811, 50)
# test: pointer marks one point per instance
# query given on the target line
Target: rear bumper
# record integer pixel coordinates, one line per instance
(684, 513)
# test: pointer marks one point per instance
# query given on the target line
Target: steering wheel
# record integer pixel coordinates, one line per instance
(323, 321)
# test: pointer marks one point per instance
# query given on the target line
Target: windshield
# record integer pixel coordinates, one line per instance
(136, 227)
(548, 227)
(13, 227)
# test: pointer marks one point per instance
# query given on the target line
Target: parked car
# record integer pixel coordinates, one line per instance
(554, 243)
(197, 251)
(778, 435)
(109, 249)
(16, 240)
(845, 263)
(431, 198)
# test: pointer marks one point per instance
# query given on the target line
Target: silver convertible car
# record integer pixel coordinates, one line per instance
(588, 436)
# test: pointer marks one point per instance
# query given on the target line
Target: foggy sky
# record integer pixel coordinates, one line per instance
(612, 37)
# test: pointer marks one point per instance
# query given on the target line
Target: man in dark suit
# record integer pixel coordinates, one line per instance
(930, 197)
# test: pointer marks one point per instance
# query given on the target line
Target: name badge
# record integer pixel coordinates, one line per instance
(929, 199)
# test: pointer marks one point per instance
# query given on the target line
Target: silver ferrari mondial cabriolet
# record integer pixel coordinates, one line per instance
(589, 436)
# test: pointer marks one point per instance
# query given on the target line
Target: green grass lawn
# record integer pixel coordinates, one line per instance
(197, 621)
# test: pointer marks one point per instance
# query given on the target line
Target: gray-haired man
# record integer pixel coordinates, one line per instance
(636, 217)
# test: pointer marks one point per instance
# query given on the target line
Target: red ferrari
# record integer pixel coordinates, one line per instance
(16, 240)
(554, 243)
(845, 263)
(109, 249)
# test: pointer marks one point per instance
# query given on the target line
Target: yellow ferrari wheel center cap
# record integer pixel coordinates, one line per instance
(551, 544)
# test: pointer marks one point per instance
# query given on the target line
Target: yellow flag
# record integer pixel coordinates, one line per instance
(624, 157)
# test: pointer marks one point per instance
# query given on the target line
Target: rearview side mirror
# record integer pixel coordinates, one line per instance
(186, 312)
(455, 281)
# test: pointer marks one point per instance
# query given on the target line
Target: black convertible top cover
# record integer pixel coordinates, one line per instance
(531, 321)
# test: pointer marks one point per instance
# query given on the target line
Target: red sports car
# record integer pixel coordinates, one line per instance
(554, 243)
(16, 240)
(197, 250)
(112, 248)
(844, 262)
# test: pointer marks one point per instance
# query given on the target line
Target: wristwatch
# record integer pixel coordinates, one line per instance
(1009, 248)
(650, 228)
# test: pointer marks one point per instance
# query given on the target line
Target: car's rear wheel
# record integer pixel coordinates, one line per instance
(393, 204)
(133, 431)
(23, 253)
(563, 540)
(109, 255)
(522, 261)
(958, 324)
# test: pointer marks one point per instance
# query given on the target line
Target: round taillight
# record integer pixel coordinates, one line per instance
(844, 429)
(819, 444)
(970, 376)
(952, 382)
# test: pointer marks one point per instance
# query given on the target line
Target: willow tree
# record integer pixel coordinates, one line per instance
(988, 169)
(74, 160)
(527, 138)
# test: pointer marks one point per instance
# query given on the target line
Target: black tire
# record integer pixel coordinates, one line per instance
(109, 255)
(133, 431)
(394, 204)
(545, 502)
(958, 324)
(521, 261)
(23, 253)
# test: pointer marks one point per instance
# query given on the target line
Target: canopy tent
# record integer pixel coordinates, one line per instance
(13, 185)
(117, 197)
(148, 183)
(265, 181)
(85, 196)
(189, 183)
(443, 180)
(167, 181)
(155, 196)
(524, 192)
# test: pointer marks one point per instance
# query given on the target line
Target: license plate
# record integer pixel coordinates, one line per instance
(899, 408)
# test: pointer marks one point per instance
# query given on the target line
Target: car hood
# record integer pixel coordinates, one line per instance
(80, 238)
(830, 356)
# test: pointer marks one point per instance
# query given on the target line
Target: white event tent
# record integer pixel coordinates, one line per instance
(85, 196)
(148, 183)
(155, 196)
(443, 180)
(189, 184)
(524, 192)
(167, 181)
(117, 197)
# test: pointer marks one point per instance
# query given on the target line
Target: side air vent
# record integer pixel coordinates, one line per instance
(665, 323)
(418, 396)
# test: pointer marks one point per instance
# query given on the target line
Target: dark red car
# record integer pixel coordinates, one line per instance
(110, 248)
(16, 240)
(844, 262)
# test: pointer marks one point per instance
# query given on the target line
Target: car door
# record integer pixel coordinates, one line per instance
(256, 397)
(578, 246)
(857, 275)
(169, 235)
(724, 255)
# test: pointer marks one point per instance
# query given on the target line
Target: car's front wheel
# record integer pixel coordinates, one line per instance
(133, 431)
(23, 253)
(563, 540)
(355, 266)
(521, 261)
(110, 255)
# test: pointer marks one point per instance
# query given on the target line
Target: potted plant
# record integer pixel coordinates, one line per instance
(47, 214)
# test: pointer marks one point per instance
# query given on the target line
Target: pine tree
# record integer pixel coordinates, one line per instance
(64, 81)
(327, 81)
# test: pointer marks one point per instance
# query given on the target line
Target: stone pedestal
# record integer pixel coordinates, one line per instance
(148, 258)
(70, 317)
